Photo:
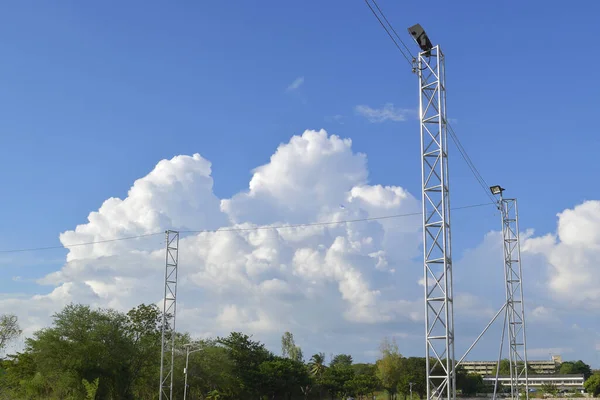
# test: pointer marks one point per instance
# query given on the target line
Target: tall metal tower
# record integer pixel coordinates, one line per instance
(514, 308)
(439, 309)
(167, 354)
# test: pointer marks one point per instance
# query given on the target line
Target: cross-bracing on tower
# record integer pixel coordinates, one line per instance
(439, 310)
(167, 354)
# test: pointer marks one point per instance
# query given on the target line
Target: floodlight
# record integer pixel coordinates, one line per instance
(497, 189)
(418, 33)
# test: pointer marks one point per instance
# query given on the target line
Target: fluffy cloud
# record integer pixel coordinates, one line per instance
(572, 255)
(324, 277)
(340, 286)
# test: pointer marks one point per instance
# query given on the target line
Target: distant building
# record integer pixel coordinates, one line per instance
(487, 367)
(569, 383)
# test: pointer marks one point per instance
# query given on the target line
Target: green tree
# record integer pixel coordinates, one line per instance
(91, 388)
(246, 356)
(549, 388)
(341, 359)
(289, 348)
(592, 385)
(575, 367)
(317, 364)
(143, 329)
(362, 385)
(84, 344)
(210, 369)
(9, 329)
(335, 378)
(317, 368)
(389, 366)
(413, 371)
(469, 383)
(283, 378)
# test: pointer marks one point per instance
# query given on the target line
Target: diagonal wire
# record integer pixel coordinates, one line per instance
(408, 59)
(453, 136)
(232, 229)
(470, 164)
(392, 28)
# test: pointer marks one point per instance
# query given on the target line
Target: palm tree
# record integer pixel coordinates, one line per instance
(317, 368)
(317, 364)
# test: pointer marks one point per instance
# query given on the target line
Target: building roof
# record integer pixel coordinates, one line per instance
(541, 376)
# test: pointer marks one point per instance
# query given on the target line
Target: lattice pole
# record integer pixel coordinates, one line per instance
(515, 310)
(439, 310)
(167, 354)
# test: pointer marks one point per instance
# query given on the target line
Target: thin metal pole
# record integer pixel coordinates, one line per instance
(187, 358)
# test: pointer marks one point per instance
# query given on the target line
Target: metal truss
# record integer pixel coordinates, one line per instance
(439, 309)
(515, 310)
(167, 354)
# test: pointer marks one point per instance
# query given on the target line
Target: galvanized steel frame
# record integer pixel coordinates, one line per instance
(167, 354)
(437, 250)
(515, 308)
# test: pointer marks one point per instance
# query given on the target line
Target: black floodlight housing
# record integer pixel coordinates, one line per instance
(418, 33)
(496, 189)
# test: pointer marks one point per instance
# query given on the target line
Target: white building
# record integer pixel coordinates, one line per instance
(572, 382)
(487, 367)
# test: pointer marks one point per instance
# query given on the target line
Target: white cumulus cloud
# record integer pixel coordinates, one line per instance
(314, 279)
(339, 286)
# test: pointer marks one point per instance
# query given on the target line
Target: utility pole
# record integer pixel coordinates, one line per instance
(514, 308)
(167, 349)
(185, 370)
(437, 249)
(410, 385)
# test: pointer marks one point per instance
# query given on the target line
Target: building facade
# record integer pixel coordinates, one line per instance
(540, 367)
(567, 383)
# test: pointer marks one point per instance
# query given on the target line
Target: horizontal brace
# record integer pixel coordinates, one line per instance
(439, 299)
(435, 261)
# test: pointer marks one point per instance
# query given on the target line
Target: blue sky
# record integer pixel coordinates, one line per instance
(93, 95)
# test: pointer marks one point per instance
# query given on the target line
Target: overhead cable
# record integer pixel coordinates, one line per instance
(453, 136)
(233, 229)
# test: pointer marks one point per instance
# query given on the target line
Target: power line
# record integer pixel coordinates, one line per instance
(255, 228)
(470, 164)
(67, 246)
(392, 28)
(453, 136)
(409, 59)
(258, 228)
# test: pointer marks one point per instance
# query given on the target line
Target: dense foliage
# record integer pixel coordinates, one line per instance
(90, 354)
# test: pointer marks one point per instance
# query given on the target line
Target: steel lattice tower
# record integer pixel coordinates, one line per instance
(167, 354)
(514, 308)
(439, 310)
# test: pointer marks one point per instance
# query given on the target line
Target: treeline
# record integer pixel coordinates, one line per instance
(93, 354)
(104, 354)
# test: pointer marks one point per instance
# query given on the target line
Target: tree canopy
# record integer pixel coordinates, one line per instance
(93, 354)
(9, 329)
